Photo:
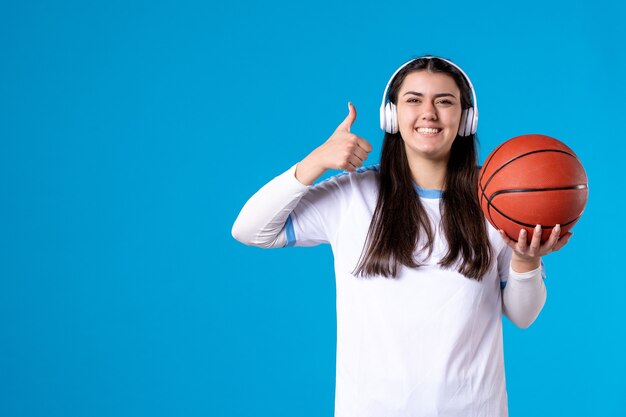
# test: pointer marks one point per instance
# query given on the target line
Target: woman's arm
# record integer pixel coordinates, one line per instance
(524, 296)
(262, 219)
(525, 293)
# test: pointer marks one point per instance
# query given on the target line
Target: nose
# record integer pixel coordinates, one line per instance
(429, 112)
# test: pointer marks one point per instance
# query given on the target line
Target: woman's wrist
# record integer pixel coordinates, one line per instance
(307, 170)
(524, 265)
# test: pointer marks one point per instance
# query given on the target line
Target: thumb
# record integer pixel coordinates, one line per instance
(347, 122)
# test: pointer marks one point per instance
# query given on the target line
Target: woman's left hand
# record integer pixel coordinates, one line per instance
(527, 257)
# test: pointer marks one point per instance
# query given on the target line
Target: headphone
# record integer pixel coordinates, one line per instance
(389, 111)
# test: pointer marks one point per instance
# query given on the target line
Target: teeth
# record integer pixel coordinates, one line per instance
(428, 130)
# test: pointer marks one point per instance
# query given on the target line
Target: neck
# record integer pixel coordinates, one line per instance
(429, 173)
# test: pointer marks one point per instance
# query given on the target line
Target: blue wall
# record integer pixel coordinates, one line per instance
(131, 133)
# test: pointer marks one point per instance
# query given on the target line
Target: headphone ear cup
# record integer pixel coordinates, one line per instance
(474, 120)
(394, 118)
(463, 123)
(383, 118)
(469, 121)
(388, 118)
(389, 115)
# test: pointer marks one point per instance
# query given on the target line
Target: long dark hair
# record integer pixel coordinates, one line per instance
(400, 218)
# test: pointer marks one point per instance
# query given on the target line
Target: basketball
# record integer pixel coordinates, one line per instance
(530, 180)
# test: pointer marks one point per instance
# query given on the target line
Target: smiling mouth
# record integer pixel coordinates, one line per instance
(426, 131)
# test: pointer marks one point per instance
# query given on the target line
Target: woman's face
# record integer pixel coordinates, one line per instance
(428, 101)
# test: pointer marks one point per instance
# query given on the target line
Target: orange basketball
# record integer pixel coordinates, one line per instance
(530, 180)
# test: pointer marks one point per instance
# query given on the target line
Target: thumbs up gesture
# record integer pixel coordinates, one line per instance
(343, 150)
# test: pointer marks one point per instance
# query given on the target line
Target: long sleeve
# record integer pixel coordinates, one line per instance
(524, 296)
(262, 219)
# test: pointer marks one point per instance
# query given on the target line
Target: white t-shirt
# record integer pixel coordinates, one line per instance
(426, 343)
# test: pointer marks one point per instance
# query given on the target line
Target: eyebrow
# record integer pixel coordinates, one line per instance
(436, 95)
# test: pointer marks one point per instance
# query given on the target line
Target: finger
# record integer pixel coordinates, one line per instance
(359, 153)
(553, 239)
(347, 122)
(562, 241)
(535, 242)
(350, 167)
(355, 161)
(521, 240)
(365, 145)
(505, 238)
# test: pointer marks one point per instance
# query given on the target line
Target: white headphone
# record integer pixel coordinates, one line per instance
(389, 112)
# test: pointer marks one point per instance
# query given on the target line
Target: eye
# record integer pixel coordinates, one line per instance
(445, 101)
(412, 100)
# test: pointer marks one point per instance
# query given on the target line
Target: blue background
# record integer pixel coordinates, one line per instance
(132, 133)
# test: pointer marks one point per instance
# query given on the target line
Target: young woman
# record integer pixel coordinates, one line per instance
(422, 278)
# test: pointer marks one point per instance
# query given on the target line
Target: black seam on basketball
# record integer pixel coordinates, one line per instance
(484, 169)
(486, 164)
(490, 205)
(488, 214)
(491, 220)
(527, 224)
(532, 190)
(523, 155)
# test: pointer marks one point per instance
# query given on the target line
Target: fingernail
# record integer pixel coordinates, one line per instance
(557, 228)
(538, 227)
(349, 104)
(523, 231)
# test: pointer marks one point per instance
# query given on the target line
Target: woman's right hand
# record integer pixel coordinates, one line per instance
(343, 150)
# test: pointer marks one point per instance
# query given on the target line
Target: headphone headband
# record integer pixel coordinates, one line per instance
(469, 119)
